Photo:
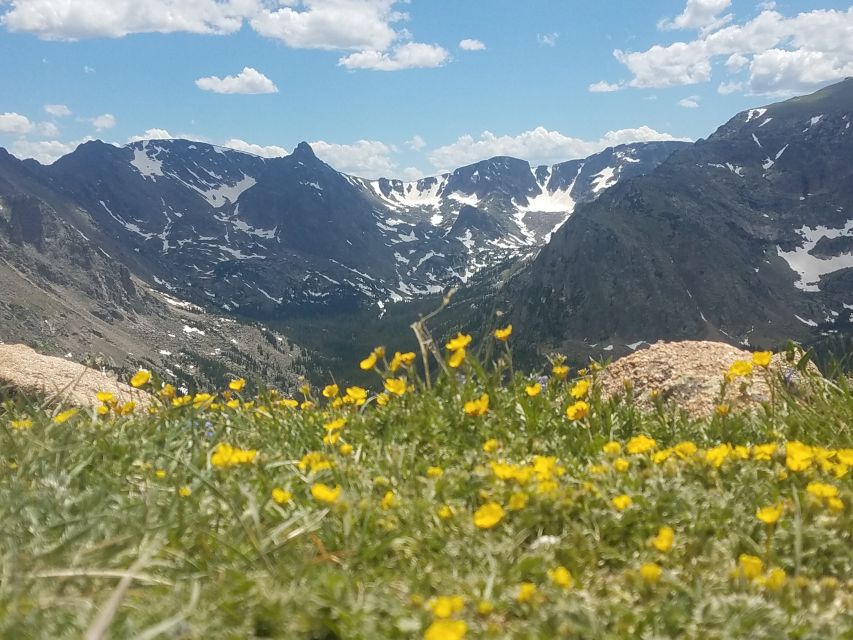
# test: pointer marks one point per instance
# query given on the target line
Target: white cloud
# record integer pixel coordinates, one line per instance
(412, 173)
(690, 102)
(408, 56)
(727, 88)
(152, 134)
(547, 39)
(416, 143)
(538, 146)
(604, 87)
(331, 24)
(271, 151)
(77, 19)
(700, 14)
(45, 151)
(365, 158)
(57, 110)
(249, 82)
(103, 122)
(472, 45)
(777, 54)
(15, 123)
(46, 130)
(87, 69)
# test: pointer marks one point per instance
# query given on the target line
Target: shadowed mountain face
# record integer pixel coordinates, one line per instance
(744, 237)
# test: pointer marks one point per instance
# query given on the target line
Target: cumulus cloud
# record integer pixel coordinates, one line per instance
(539, 146)
(412, 173)
(365, 158)
(700, 14)
(332, 24)
(15, 123)
(472, 45)
(690, 102)
(44, 151)
(604, 87)
(547, 39)
(103, 122)
(152, 134)
(768, 54)
(248, 82)
(416, 143)
(57, 110)
(270, 151)
(64, 20)
(408, 56)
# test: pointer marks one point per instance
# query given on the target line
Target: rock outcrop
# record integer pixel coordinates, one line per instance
(23, 370)
(689, 375)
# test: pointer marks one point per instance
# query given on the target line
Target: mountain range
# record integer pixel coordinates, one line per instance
(196, 258)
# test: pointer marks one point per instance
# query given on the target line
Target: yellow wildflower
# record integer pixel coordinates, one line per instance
(577, 411)
(775, 580)
(739, 369)
(140, 378)
(314, 462)
(237, 385)
(485, 608)
(716, 456)
(664, 539)
(822, 490)
(526, 592)
(401, 360)
(356, 396)
(517, 501)
(434, 472)
(580, 389)
(640, 444)
(185, 492)
(835, 504)
(445, 512)
(202, 400)
(461, 341)
(368, 363)
(226, 456)
(561, 577)
(659, 457)
(489, 515)
(443, 607)
(722, 410)
(65, 416)
(560, 371)
(160, 474)
(764, 451)
(621, 465)
(345, 449)
(446, 630)
(762, 358)
(769, 515)
(281, 496)
(845, 457)
(389, 500)
(289, 403)
(233, 404)
(382, 399)
(125, 409)
(620, 503)
(330, 391)
(397, 386)
(503, 334)
(685, 449)
(103, 410)
(612, 448)
(750, 566)
(650, 572)
(798, 456)
(456, 358)
(168, 391)
(479, 407)
(533, 390)
(491, 445)
(106, 397)
(325, 494)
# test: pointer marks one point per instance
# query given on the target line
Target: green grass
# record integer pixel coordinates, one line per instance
(95, 540)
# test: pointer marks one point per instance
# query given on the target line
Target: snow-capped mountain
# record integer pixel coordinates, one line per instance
(746, 236)
(251, 236)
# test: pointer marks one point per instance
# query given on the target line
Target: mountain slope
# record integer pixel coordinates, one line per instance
(745, 236)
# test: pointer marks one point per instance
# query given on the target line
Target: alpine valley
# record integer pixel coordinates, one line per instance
(201, 261)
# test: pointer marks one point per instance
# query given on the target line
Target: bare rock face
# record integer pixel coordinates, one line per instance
(690, 375)
(24, 370)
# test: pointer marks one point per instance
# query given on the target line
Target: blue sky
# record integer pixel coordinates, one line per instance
(544, 82)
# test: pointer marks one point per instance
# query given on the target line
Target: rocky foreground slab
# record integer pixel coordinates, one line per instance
(25, 371)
